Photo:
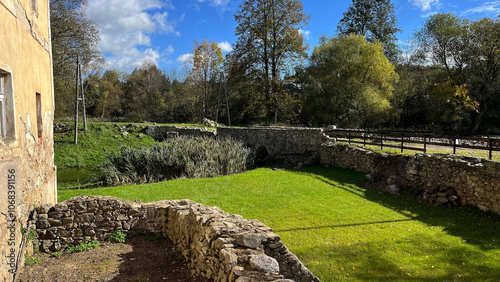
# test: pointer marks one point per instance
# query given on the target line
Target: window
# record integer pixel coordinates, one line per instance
(3, 126)
(7, 126)
(39, 122)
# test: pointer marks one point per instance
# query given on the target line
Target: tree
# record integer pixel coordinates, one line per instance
(110, 90)
(349, 82)
(470, 53)
(375, 20)
(72, 34)
(145, 93)
(269, 42)
(207, 64)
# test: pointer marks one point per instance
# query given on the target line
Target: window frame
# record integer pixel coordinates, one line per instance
(3, 126)
(39, 118)
(7, 108)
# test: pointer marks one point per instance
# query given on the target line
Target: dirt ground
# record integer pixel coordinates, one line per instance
(141, 258)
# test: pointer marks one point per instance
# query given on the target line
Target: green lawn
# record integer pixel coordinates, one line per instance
(342, 231)
(94, 145)
(483, 154)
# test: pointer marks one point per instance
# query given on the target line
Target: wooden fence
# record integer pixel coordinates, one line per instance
(413, 141)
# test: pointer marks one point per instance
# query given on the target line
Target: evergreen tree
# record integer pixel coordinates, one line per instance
(375, 20)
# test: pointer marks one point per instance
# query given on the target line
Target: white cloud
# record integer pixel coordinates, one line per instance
(424, 5)
(185, 59)
(161, 19)
(217, 3)
(133, 58)
(125, 26)
(492, 8)
(221, 6)
(305, 33)
(225, 46)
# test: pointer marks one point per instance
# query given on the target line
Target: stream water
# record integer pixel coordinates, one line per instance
(77, 175)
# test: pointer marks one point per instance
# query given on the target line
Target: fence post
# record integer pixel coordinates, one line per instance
(381, 141)
(455, 145)
(349, 137)
(425, 144)
(490, 143)
(364, 138)
(402, 142)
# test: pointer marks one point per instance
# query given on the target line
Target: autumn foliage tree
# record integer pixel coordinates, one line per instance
(72, 34)
(207, 64)
(349, 83)
(269, 42)
(469, 51)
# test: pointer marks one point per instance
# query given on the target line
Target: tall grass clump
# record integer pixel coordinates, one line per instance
(182, 157)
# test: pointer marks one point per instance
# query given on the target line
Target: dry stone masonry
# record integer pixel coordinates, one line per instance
(277, 140)
(164, 132)
(217, 245)
(473, 181)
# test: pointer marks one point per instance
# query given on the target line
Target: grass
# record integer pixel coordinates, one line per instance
(82, 247)
(30, 260)
(341, 230)
(94, 145)
(430, 150)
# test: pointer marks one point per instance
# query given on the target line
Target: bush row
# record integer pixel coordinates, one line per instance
(176, 158)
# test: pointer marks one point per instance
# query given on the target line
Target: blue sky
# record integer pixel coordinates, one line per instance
(164, 30)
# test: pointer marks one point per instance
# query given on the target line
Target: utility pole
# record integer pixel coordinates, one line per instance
(83, 99)
(76, 99)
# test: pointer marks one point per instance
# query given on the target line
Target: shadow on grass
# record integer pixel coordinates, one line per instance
(447, 263)
(342, 225)
(469, 223)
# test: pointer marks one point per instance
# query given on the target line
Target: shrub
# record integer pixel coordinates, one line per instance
(178, 157)
(85, 246)
(118, 237)
(29, 260)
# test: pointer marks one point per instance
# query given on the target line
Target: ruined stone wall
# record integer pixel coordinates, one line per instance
(27, 171)
(162, 132)
(277, 140)
(476, 181)
(289, 145)
(217, 245)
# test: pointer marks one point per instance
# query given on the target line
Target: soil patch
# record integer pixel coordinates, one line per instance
(141, 258)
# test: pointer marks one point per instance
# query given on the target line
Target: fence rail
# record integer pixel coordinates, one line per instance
(410, 140)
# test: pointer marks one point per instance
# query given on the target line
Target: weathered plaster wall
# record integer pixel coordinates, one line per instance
(476, 181)
(217, 245)
(26, 156)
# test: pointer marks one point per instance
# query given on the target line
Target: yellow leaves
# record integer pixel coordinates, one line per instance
(456, 95)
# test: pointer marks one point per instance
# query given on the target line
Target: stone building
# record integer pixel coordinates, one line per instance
(27, 171)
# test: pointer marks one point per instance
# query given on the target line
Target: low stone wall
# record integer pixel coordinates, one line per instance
(288, 145)
(277, 140)
(162, 132)
(217, 245)
(476, 181)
